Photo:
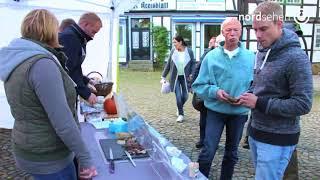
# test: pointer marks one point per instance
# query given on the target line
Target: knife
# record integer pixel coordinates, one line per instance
(130, 158)
(111, 165)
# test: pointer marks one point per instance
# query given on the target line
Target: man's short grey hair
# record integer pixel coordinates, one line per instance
(269, 8)
(90, 17)
(230, 20)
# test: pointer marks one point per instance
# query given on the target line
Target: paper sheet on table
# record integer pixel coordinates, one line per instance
(100, 124)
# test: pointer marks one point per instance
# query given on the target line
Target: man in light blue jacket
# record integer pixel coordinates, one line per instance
(226, 73)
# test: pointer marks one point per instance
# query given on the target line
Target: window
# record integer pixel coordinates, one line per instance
(215, 0)
(279, 1)
(317, 39)
(140, 39)
(140, 23)
(288, 1)
(293, 1)
(122, 41)
(210, 31)
(185, 30)
(121, 35)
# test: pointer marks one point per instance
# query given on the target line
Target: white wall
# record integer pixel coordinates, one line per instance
(11, 16)
(11, 30)
(6, 119)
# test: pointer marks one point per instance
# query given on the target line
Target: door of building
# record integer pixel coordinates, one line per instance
(208, 31)
(122, 41)
(140, 39)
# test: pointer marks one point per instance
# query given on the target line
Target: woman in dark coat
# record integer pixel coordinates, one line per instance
(181, 65)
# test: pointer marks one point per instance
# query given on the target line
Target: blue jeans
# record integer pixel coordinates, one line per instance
(181, 93)
(270, 161)
(214, 127)
(68, 173)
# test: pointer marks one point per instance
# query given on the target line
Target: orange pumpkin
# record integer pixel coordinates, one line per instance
(109, 106)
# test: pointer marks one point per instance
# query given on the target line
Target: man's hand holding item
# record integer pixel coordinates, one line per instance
(87, 173)
(222, 95)
(225, 97)
(92, 99)
(92, 88)
(162, 80)
(248, 100)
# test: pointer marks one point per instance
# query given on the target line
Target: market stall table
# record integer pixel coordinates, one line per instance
(164, 161)
(145, 168)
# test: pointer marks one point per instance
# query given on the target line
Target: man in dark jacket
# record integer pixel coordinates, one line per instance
(74, 40)
(66, 23)
(203, 110)
(282, 92)
(213, 43)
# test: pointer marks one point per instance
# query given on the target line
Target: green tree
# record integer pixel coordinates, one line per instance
(160, 45)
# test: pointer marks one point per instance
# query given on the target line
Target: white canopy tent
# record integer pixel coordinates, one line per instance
(101, 54)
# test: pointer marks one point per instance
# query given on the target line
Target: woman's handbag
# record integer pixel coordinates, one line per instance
(197, 103)
(165, 88)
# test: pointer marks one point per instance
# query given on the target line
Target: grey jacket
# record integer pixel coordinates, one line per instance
(42, 100)
(171, 67)
(283, 86)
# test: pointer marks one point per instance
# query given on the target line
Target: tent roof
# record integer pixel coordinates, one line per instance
(98, 6)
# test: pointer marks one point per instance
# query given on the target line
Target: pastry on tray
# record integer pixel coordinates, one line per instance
(123, 135)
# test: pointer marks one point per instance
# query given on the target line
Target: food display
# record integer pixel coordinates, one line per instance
(130, 143)
(133, 147)
(123, 135)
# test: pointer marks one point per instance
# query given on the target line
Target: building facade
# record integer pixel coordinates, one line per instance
(304, 13)
(195, 20)
(198, 20)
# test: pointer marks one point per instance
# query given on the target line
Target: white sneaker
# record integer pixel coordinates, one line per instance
(180, 118)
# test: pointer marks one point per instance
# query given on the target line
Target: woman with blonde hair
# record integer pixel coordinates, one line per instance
(42, 97)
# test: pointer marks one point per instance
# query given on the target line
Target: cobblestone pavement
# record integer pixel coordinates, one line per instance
(142, 92)
(160, 111)
(7, 167)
